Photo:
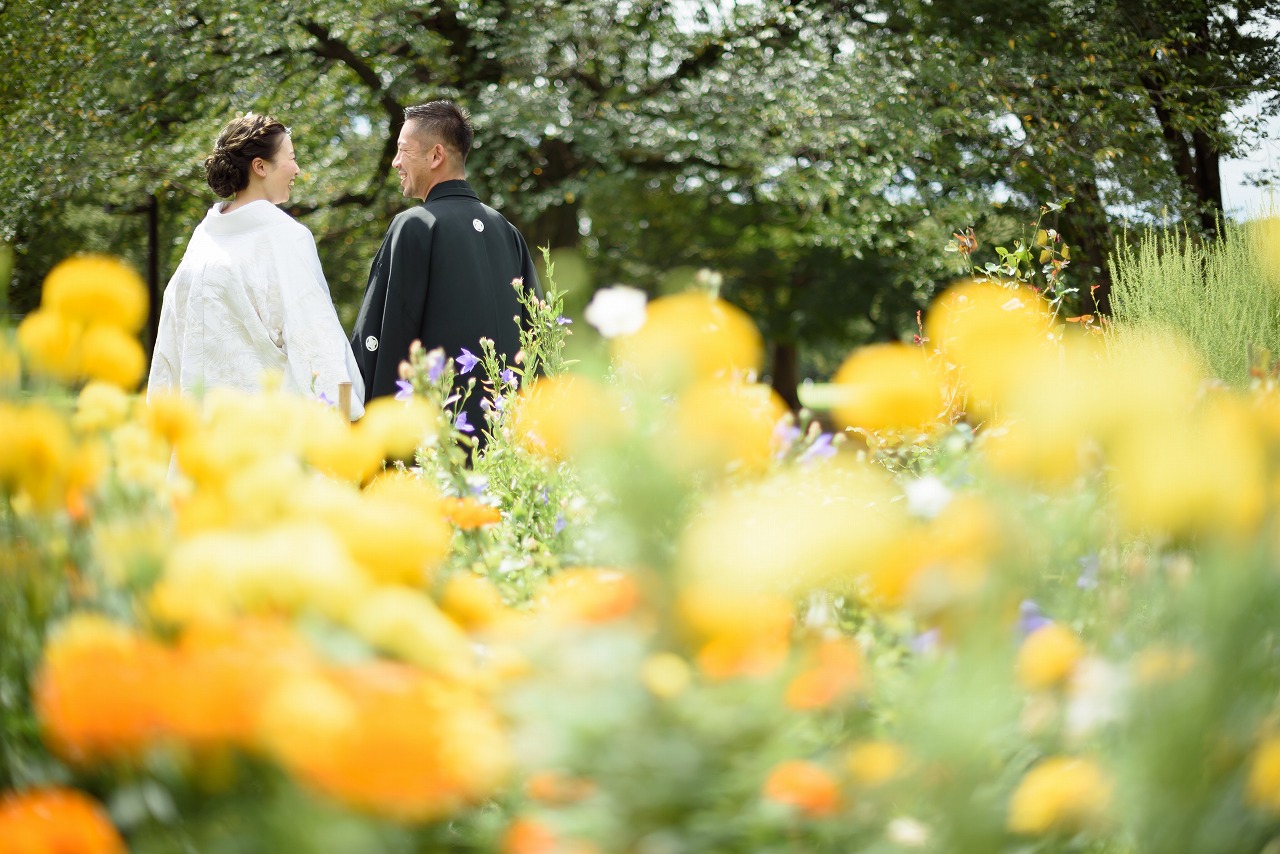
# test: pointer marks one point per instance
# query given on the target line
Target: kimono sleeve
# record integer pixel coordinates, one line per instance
(316, 348)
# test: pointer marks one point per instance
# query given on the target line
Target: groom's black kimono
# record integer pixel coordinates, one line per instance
(443, 276)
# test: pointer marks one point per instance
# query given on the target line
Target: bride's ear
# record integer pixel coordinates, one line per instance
(258, 167)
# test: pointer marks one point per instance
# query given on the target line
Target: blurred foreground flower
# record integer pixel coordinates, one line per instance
(1060, 794)
(805, 786)
(389, 740)
(615, 311)
(56, 821)
(688, 337)
(1262, 788)
(91, 308)
(995, 337)
(1048, 656)
(888, 387)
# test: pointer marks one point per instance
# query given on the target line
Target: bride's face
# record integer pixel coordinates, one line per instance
(282, 170)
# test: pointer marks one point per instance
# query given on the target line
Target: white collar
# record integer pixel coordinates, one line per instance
(243, 219)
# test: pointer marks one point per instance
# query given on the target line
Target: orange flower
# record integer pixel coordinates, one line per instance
(222, 675)
(743, 634)
(528, 836)
(806, 786)
(97, 692)
(552, 787)
(734, 655)
(590, 595)
(834, 671)
(56, 820)
(469, 514)
(371, 750)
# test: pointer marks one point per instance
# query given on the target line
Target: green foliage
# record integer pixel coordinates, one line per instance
(1037, 260)
(1215, 293)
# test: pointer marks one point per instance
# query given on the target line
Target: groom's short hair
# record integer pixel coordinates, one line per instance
(444, 121)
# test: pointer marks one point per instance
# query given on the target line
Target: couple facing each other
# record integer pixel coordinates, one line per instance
(250, 298)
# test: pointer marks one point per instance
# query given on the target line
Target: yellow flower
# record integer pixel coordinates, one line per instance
(408, 624)
(874, 763)
(793, 530)
(396, 427)
(304, 718)
(1048, 656)
(1199, 475)
(472, 601)
(1157, 664)
(997, 337)
(690, 336)
(51, 345)
(112, 355)
(563, 415)
(1059, 794)
(949, 558)
(395, 530)
(97, 289)
(36, 455)
(288, 568)
(665, 674)
(719, 424)
(343, 451)
(888, 387)
(741, 633)
(100, 406)
(1262, 788)
(211, 454)
(169, 416)
(130, 549)
(10, 365)
(140, 456)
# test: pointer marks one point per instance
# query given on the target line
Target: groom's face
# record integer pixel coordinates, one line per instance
(415, 158)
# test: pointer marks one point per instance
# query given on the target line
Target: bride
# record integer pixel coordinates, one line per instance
(250, 298)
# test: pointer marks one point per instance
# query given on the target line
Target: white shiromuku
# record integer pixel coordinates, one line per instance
(249, 300)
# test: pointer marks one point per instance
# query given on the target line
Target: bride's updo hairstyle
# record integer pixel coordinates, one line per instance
(243, 139)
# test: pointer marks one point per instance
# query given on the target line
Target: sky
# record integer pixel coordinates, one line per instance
(1240, 200)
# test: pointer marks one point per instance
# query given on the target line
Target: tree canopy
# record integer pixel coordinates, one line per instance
(816, 152)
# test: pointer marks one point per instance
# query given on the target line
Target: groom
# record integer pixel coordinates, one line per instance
(443, 273)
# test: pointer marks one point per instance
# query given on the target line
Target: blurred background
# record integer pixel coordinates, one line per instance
(819, 154)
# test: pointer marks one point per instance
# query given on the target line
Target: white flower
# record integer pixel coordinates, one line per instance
(927, 496)
(615, 311)
(1096, 696)
(908, 832)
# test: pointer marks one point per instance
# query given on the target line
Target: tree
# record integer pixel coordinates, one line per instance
(1118, 105)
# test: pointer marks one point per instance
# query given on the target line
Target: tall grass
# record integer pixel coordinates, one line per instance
(1220, 295)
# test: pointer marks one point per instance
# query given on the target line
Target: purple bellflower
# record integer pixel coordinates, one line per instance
(467, 361)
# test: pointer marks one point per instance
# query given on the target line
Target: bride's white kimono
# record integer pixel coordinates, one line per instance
(250, 299)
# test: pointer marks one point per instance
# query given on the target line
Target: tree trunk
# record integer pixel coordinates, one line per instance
(785, 373)
(1208, 181)
(1087, 231)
